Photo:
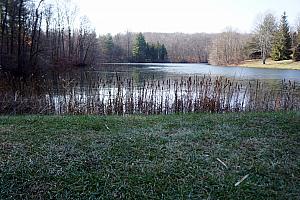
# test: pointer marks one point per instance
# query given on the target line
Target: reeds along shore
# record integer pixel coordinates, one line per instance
(91, 94)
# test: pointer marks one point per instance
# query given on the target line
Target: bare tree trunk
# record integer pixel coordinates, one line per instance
(63, 41)
(3, 30)
(264, 57)
(128, 42)
(70, 42)
(12, 32)
(81, 54)
(39, 35)
(20, 65)
(34, 45)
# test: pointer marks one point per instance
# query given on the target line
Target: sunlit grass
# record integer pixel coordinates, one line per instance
(192, 156)
(284, 64)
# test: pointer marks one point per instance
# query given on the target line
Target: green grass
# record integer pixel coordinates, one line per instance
(284, 64)
(154, 157)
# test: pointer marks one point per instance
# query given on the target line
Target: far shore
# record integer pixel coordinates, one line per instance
(270, 64)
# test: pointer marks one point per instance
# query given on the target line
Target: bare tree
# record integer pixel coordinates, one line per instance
(87, 40)
(265, 33)
(70, 12)
(36, 30)
(39, 33)
(297, 27)
(227, 48)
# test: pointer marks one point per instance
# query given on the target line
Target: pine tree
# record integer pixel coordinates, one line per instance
(140, 48)
(164, 53)
(108, 47)
(296, 54)
(158, 56)
(283, 41)
(152, 53)
(145, 52)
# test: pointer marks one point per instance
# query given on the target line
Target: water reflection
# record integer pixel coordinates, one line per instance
(148, 71)
(155, 89)
(127, 89)
(233, 72)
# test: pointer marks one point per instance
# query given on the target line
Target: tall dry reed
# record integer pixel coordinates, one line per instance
(93, 94)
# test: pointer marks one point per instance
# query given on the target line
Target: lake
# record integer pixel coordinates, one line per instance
(168, 70)
(155, 89)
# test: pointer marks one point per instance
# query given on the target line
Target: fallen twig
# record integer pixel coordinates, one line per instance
(106, 127)
(218, 159)
(240, 181)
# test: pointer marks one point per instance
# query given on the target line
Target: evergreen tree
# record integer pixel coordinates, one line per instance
(145, 52)
(152, 53)
(298, 37)
(158, 50)
(140, 49)
(164, 53)
(108, 47)
(296, 54)
(283, 41)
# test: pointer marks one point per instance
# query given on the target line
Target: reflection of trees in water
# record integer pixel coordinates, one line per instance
(86, 78)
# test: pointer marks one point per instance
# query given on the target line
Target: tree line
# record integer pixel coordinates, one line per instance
(269, 39)
(180, 47)
(36, 34)
(275, 40)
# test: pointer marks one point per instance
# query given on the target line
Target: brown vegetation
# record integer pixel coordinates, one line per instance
(227, 48)
(91, 94)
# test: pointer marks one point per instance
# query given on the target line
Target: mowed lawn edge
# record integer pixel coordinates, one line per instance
(186, 156)
(270, 64)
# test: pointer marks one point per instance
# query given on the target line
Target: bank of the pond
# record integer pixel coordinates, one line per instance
(270, 64)
(193, 156)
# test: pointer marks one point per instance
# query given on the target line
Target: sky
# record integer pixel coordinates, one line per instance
(187, 16)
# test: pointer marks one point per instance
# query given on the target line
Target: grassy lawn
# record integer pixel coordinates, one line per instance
(285, 64)
(192, 156)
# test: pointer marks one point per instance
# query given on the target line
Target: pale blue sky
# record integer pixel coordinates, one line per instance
(187, 16)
